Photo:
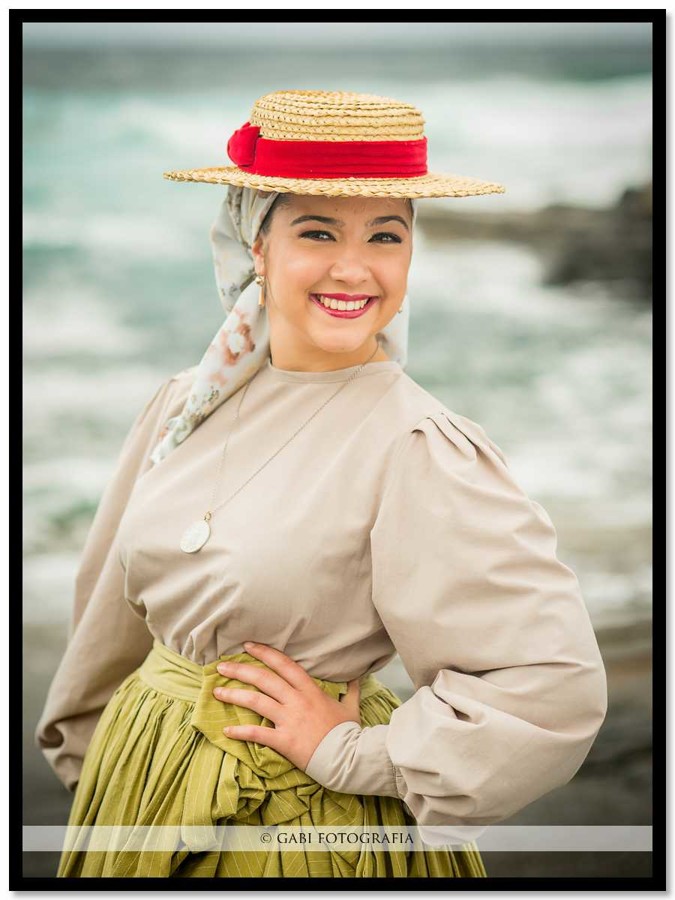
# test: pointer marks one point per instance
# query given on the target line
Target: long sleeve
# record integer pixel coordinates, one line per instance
(107, 640)
(510, 687)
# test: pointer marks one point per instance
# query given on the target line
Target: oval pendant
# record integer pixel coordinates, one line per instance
(195, 536)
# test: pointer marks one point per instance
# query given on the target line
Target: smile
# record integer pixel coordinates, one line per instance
(341, 309)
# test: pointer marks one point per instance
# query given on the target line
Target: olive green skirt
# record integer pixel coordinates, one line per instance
(158, 756)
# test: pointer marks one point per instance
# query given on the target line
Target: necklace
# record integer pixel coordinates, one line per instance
(197, 534)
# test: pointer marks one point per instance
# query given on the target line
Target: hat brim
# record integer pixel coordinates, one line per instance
(430, 185)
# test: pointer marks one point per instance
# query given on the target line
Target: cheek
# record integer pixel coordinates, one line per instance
(303, 273)
(395, 273)
(298, 269)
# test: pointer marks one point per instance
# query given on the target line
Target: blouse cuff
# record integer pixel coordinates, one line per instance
(354, 760)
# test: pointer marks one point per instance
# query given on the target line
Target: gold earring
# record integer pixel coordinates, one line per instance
(260, 280)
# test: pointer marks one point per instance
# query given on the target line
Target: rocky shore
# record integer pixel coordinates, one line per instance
(613, 786)
(575, 244)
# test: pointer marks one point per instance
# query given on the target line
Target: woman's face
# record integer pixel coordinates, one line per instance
(342, 249)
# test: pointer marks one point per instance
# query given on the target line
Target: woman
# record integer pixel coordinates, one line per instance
(330, 509)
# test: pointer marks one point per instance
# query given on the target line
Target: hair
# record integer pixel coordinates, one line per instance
(284, 200)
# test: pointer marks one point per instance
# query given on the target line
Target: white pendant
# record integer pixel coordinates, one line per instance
(195, 536)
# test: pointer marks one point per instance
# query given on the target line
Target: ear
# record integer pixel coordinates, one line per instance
(257, 249)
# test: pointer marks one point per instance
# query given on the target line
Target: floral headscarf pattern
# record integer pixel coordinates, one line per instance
(241, 345)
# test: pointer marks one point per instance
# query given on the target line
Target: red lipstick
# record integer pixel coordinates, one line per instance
(345, 313)
(347, 297)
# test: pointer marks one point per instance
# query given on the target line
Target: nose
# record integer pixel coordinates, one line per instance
(349, 267)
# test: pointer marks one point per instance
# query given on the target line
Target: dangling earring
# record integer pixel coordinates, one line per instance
(260, 279)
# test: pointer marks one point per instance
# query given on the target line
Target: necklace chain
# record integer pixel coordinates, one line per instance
(213, 509)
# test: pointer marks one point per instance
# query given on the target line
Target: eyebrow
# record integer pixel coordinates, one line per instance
(380, 220)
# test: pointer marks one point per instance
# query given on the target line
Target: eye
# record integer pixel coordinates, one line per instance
(388, 234)
(391, 238)
(311, 234)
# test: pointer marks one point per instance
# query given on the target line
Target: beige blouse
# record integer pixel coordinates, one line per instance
(389, 524)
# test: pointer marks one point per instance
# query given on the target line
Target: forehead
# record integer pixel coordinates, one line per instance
(345, 207)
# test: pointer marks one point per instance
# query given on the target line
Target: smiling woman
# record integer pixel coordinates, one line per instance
(364, 518)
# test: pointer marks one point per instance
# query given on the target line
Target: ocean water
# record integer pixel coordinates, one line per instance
(114, 255)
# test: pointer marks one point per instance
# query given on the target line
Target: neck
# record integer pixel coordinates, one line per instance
(317, 360)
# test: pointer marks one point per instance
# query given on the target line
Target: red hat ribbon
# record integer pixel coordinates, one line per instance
(326, 159)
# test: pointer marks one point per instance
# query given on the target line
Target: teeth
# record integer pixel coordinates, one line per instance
(332, 303)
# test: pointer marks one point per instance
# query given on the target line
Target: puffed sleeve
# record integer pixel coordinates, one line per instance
(107, 640)
(510, 686)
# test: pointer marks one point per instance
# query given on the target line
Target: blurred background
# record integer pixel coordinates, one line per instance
(530, 311)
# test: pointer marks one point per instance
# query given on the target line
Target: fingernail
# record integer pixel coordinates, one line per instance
(248, 644)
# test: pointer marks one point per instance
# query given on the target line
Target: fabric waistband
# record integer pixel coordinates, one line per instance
(173, 674)
(227, 778)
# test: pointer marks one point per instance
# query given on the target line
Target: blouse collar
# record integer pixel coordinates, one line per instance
(371, 368)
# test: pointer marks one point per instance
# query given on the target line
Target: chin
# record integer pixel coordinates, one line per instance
(340, 343)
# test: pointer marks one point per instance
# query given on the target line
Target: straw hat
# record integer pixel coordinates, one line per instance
(337, 144)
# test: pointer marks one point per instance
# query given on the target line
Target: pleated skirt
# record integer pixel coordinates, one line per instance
(158, 757)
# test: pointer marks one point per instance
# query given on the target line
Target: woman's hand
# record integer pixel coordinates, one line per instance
(302, 713)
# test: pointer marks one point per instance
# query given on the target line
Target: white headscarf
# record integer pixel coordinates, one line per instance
(242, 345)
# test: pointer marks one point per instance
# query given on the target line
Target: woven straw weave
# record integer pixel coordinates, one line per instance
(338, 116)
